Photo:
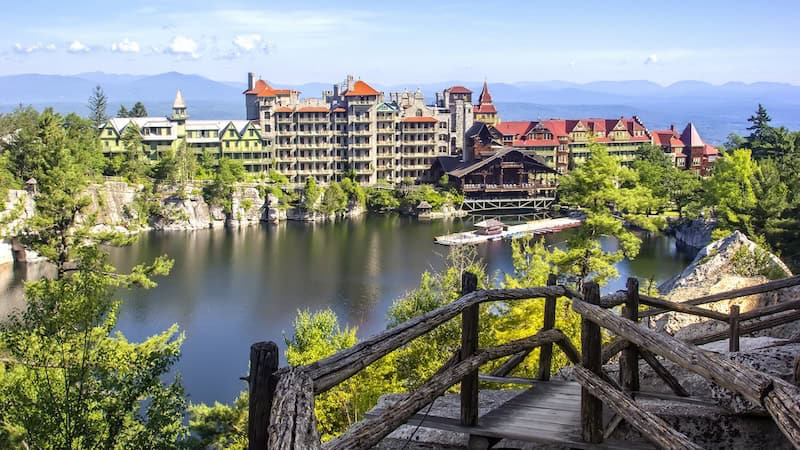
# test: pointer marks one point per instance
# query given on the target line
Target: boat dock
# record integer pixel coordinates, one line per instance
(534, 228)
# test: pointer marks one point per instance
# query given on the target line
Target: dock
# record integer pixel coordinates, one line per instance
(534, 228)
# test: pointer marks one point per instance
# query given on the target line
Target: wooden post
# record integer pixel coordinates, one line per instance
(733, 337)
(469, 345)
(546, 352)
(591, 406)
(263, 364)
(629, 362)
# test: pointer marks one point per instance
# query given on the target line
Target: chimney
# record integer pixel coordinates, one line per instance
(672, 127)
(251, 80)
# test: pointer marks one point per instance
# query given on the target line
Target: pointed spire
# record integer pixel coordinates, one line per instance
(690, 136)
(486, 97)
(179, 103)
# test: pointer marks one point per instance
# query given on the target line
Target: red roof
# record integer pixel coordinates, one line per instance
(709, 150)
(676, 143)
(360, 88)
(313, 109)
(486, 97)
(534, 143)
(557, 127)
(419, 120)
(283, 109)
(514, 128)
(484, 109)
(339, 110)
(459, 90)
(262, 89)
(259, 86)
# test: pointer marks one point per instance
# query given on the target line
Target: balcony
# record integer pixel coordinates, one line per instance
(359, 119)
(529, 187)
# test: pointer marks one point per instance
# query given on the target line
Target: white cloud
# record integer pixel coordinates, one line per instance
(126, 46)
(183, 46)
(652, 59)
(26, 49)
(248, 42)
(78, 47)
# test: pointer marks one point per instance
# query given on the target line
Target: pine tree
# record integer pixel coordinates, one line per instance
(760, 133)
(97, 106)
(138, 110)
(123, 112)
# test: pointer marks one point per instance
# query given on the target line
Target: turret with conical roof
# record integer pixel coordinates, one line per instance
(179, 108)
(179, 114)
(486, 97)
(485, 111)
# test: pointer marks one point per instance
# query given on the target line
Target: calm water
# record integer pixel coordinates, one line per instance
(230, 288)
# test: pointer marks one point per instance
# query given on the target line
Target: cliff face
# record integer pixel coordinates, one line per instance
(694, 233)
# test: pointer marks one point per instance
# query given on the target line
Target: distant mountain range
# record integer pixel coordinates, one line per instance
(715, 109)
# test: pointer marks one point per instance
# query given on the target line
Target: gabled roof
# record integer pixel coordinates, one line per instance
(459, 90)
(484, 109)
(360, 88)
(388, 107)
(486, 97)
(466, 168)
(514, 128)
(690, 136)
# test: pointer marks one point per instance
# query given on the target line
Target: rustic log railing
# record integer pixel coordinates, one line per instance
(282, 403)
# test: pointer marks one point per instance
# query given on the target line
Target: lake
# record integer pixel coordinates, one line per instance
(232, 287)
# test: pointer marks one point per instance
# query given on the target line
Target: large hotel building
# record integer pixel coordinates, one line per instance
(353, 128)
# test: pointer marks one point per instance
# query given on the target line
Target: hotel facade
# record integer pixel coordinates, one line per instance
(355, 129)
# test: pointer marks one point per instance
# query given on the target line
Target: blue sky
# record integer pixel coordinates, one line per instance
(408, 41)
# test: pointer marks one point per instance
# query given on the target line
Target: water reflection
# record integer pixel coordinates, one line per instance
(230, 288)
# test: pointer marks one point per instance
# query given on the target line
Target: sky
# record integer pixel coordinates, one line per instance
(300, 41)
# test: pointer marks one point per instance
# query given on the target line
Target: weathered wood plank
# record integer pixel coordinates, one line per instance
(336, 368)
(469, 345)
(651, 426)
(768, 310)
(591, 344)
(546, 352)
(783, 404)
(263, 364)
(735, 293)
(664, 374)
(733, 329)
(293, 424)
(744, 380)
(629, 362)
(616, 345)
(684, 307)
(368, 432)
(745, 329)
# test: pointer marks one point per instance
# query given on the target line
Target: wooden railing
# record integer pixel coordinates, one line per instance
(282, 406)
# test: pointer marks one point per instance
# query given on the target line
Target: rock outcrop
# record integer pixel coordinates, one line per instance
(729, 263)
(694, 233)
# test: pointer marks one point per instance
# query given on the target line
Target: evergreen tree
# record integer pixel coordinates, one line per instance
(138, 110)
(123, 112)
(97, 107)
